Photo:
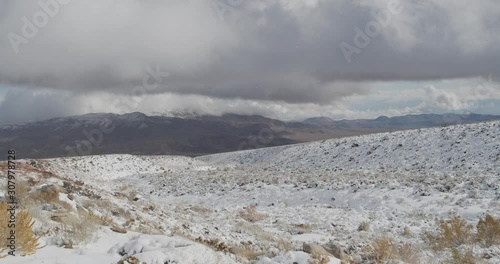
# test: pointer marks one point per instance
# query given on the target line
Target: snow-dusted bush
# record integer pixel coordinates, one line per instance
(251, 215)
(364, 226)
(466, 257)
(78, 229)
(452, 233)
(488, 231)
(384, 249)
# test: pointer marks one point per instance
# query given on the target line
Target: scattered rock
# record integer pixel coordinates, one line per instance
(129, 260)
(118, 229)
(56, 218)
(315, 249)
(335, 249)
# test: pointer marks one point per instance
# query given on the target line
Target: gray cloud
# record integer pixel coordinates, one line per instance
(263, 50)
(23, 105)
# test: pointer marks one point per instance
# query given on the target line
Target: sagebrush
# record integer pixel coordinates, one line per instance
(251, 215)
(452, 233)
(488, 231)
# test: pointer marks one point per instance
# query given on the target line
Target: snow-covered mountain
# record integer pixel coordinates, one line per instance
(275, 205)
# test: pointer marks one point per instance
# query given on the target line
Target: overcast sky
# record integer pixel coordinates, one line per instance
(288, 59)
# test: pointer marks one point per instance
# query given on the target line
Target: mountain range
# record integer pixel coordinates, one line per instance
(137, 133)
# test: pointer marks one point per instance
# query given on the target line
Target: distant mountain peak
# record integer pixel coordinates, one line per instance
(181, 113)
(316, 120)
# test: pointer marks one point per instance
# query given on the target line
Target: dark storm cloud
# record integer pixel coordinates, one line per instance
(23, 105)
(262, 50)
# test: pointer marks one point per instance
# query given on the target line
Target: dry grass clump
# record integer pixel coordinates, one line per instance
(385, 249)
(79, 229)
(243, 250)
(463, 258)
(301, 229)
(255, 230)
(283, 245)
(23, 189)
(201, 210)
(407, 232)
(364, 226)
(456, 235)
(47, 194)
(106, 220)
(318, 259)
(488, 231)
(248, 252)
(26, 240)
(408, 253)
(251, 215)
(215, 244)
(452, 233)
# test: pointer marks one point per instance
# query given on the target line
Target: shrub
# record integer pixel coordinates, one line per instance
(248, 252)
(364, 226)
(79, 229)
(319, 259)
(26, 240)
(452, 233)
(407, 232)
(408, 253)
(251, 215)
(216, 244)
(384, 249)
(488, 231)
(47, 194)
(462, 258)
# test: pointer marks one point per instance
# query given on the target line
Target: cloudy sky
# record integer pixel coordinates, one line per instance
(288, 59)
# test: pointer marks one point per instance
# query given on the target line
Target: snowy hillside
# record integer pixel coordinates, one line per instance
(463, 149)
(311, 203)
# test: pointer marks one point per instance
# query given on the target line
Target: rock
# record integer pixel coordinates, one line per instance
(57, 217)
(315, 249)
(335, 249)
(68, 246)
(118, 229)
(129, 260)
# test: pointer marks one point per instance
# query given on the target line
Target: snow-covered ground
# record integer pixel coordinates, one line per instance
(263, 205)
